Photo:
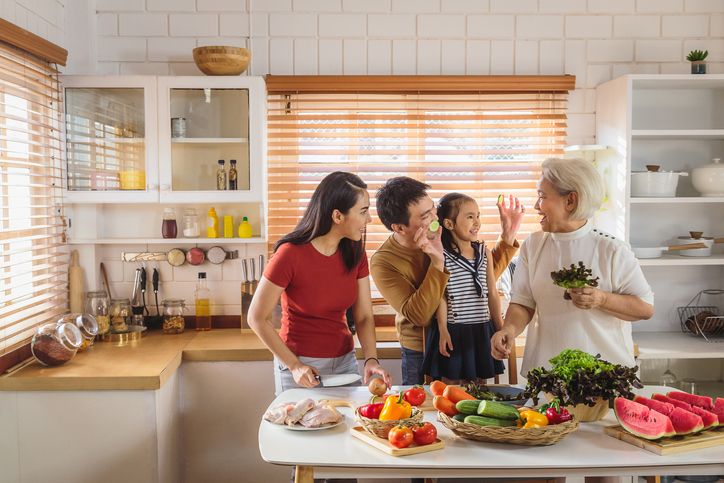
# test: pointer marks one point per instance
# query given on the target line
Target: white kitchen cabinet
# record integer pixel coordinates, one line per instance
(677, 122)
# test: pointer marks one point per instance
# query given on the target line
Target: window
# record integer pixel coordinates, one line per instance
(33, 259)
(479, 135)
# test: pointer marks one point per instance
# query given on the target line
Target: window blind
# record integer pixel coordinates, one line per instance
(33, 258)
(482, 136)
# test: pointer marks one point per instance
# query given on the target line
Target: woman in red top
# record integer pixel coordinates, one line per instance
(320, 270)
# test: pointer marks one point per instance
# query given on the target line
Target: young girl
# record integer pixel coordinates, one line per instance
(458, 348)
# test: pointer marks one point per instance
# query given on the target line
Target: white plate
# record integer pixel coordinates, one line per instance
(299, 427)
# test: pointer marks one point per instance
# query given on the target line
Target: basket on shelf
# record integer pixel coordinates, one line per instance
(382, 428)
(703, 319)
(544, 436)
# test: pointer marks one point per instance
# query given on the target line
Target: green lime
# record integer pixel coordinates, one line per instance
(500, 198)
(434, 226)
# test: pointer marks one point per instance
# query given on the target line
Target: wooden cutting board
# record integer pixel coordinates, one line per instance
(384, 445)
(676, 444)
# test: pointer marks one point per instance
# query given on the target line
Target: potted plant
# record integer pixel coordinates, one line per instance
(698, 61)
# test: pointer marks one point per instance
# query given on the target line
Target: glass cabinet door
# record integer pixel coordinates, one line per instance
(105, 139)
(209, 125)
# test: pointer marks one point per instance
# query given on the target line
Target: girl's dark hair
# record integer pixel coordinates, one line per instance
(448, 209)
(337, 191)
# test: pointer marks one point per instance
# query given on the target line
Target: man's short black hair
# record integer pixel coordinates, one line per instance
(395, 197)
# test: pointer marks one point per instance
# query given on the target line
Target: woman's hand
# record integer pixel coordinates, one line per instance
(511, 216)
(502, 343)
(445, 343)
(587, 297)
(374, 368)
(304, 375)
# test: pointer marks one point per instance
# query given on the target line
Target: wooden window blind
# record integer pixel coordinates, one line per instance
(479, 135)
(33, 258)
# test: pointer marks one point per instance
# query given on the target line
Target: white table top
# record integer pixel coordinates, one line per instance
(334, 453)
(676, 345)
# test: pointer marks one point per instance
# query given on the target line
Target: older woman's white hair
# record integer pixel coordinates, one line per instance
(576, 175)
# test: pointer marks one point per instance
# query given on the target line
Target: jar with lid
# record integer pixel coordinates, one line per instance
(191, 223)
(169, 229)
(87, 325)
(98, 305)
(120, 315)
(173, 316)
(55, 343)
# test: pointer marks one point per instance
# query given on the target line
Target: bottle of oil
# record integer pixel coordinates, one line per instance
(232, 175)
(221, 176)
(203, 309)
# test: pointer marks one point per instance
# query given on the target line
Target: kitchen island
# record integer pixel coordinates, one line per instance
(334, 453)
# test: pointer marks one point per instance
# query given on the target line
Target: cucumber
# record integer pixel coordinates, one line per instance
(467, 406)
(483, 421)
(497, 410)
(460, 417)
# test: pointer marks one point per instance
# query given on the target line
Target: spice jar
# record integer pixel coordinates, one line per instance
(169, 229)
(120, 315)
(98, 305)
(173, 316)
(87, 325)
(191, 223)
(56, 343)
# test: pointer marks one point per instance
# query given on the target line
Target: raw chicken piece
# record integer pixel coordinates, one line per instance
(278, 413)
(298, 411)
(320, 415)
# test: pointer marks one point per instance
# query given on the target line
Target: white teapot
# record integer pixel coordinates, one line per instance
(709, 180)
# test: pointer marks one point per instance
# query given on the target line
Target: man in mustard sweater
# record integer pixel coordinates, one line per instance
(408, 268)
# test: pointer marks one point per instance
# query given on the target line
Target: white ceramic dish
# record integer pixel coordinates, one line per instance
(299, 427)
(697, 252)
(655, 184)
(709, 180)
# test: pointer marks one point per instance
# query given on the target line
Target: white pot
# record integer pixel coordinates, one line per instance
(655, 184)
(695, 252)
(709, 180)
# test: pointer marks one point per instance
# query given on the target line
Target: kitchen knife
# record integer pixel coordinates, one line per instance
(245, 273)
(254, 281)
(332, 380)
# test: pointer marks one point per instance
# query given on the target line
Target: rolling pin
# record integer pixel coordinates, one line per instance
(75, 284)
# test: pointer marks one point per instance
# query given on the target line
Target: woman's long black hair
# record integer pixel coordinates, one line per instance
(337, 191)
(448, 209)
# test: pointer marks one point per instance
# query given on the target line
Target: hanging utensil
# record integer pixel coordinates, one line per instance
(106, 285)
(254, 281)
(245, 296)
(143, 289)
(261, 266)
(155, 322)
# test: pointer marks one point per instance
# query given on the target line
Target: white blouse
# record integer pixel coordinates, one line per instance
(560, 324)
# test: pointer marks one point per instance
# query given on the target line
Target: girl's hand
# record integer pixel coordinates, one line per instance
(372, 367)
(445, 343)
(511, 217)
(587, 298)
(502, 343)
(305, 376)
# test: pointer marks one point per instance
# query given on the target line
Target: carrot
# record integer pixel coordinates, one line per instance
(437, 387)
(444, 405)
(456, 393)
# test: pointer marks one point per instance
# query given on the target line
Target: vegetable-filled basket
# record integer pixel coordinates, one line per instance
(543, 436)
(381, 428)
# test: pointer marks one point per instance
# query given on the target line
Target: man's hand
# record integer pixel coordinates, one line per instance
(587, 297)
(511, 216)
(431, 244)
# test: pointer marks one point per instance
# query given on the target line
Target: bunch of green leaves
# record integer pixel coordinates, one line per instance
(576, 377)
(697, 55)
(575, 277)
(481, 391)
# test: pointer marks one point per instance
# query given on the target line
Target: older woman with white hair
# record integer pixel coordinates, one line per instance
(595, 319)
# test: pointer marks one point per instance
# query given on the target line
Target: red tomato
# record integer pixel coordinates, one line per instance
(415, 395)
(400, 436)
(424, 433)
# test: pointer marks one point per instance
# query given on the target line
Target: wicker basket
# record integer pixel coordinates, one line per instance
(382, 428)
(584, 413)
(544, 436)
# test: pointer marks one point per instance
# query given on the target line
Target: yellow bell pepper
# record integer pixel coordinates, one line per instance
(533, 419)
(396, 408)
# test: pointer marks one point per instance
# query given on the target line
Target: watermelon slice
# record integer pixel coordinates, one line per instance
(711, 420)
(686, 422)
(639, 420)
(675, 402)
(664, 408)
(719, 410)
(693, 399)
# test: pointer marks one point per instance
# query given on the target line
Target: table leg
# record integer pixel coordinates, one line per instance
(303, 474)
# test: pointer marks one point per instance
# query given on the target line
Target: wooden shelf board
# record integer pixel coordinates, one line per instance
(163, 241)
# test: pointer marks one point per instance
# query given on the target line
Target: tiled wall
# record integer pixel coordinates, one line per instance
(45, 18)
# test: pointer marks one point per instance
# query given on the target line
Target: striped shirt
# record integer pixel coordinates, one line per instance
(467, 298)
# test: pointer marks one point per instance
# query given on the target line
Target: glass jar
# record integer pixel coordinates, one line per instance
(120, 315)
(169, 229)
(56, 343)
(173, 316)
(191, 223)
(87, 325)
(98, 305)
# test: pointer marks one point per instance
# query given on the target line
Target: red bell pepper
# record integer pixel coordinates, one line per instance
(555, 413)
(371, 411)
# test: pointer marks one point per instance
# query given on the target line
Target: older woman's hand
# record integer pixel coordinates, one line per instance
(374, 368)
(511, 217)
(501, 343)
(587, 297)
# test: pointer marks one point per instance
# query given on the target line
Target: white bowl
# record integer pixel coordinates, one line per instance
(709, 180)
(695, 252)
(655, 184)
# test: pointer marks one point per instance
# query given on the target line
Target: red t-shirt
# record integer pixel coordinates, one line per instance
(318, 290)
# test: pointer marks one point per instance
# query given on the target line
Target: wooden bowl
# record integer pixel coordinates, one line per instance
(221, 60)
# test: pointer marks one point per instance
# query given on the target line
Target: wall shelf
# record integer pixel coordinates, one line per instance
(165, 241)
(677, 260)
(208, 140)
(678, 133)
(675, 200)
